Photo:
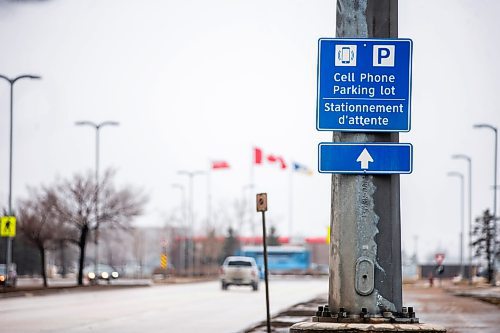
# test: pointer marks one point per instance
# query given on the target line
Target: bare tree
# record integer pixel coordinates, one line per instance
(76, 208)
(38, 222)
(273, 238)
(231, 244)
(113, 240)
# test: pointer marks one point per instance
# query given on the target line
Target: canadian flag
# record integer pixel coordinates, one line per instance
(220, 165)
(259, 158)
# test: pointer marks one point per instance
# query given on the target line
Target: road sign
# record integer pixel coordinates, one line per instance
(262, 202)
(364, 85)
(365, 158)
(163, 261)
(439, 258)
(8, 226)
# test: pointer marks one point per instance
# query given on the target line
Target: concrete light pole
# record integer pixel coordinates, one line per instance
(11, 82)
(191, 175)
(97, 128)
(182, 259)
(469, 163)
(461, 177)
(495, 161)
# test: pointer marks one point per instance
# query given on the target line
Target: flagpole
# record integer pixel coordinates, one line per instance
(250, 194)
(209, 197)
(209, 208)
(290, 204)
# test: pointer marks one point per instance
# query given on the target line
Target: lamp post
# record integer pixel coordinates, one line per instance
(461, 177)
(97, 128)
(191, 175)
(182, 247)
(12, 81)
(495, 160)
(469, 163)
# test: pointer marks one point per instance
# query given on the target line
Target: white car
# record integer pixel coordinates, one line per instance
(239, 271)
(104, 272)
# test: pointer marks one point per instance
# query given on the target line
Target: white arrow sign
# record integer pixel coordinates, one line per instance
(364, 158)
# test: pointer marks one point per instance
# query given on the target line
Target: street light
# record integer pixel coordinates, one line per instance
(182, 260)
(461, 177)
(469, 163)
(8, 258)
(191, 175)
(97, 128)
(183, 200)
(495, 131)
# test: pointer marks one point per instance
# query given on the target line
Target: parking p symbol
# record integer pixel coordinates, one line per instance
(383, 55)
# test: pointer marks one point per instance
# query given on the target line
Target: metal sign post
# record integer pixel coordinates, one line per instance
(262, 207)
(8, 229)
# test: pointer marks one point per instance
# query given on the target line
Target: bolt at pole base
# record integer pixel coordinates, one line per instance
(312, 327)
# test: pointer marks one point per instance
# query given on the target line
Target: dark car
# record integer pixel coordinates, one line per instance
(8, 278)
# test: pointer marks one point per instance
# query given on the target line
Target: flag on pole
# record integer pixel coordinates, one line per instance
(257, 156)
(217, 165)
(297, 167)
(271, 158)
(277, 159)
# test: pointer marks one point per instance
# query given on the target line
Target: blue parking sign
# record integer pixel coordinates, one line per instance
(364, 85)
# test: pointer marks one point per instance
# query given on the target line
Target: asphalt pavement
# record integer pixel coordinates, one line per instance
(189, 307)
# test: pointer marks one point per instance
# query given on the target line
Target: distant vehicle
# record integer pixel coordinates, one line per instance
(104, 272)
(287, 259)
(8, 278)
(239, 271)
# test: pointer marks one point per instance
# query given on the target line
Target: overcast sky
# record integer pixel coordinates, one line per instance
(192, 81)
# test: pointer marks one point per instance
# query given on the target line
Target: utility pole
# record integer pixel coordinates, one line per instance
(365, 217)
(492, 265)
(12, 81)
(191, 245)
(469, 186)
(97, 127)
(365, 283)
(461, 241)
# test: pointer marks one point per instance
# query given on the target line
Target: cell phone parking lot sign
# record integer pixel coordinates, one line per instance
(364, 85)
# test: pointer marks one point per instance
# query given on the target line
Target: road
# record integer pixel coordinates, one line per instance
(166, 308)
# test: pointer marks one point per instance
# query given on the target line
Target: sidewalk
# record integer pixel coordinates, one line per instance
(34, 286)
(485, 293)
(281, 322)
(459, 308)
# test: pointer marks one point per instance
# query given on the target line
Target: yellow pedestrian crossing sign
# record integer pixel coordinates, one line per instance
(8, 226)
